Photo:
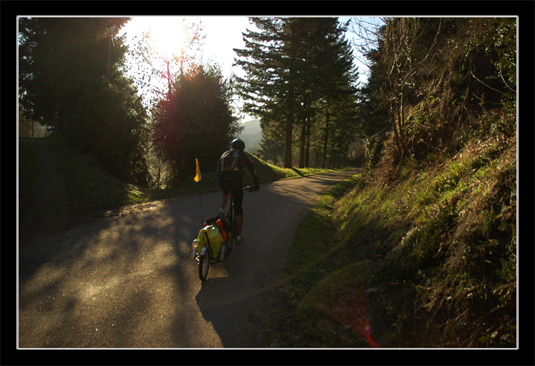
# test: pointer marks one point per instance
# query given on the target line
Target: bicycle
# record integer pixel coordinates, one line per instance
(206, 257)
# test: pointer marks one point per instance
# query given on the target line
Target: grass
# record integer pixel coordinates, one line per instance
(316, 266)
(88, 186)
(428, 261)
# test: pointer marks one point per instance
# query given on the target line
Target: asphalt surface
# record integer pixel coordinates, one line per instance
(129, 282)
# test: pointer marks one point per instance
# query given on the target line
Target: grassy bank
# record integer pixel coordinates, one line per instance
(317, 268)
(427, 260)
(48, 161)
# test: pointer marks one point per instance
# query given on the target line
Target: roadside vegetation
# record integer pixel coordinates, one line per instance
(431, 260)
(421, 249)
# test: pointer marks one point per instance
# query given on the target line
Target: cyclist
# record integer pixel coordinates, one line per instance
(230, 177)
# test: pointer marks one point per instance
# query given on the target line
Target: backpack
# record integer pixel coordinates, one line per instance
(222, 223)
(229, 161)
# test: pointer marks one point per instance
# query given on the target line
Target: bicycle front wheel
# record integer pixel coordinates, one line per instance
(204, 264)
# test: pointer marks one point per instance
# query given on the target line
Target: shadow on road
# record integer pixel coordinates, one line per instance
(238, 292)
(128, 281)
(111, 283)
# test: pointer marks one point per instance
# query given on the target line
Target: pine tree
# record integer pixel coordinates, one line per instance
(71, 77)
(268, 89)
(331, 79)
(292, 64)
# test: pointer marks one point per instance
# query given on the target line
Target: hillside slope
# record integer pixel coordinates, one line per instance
(251, 135)
(442, 246)
(59, 187)
(427, 261)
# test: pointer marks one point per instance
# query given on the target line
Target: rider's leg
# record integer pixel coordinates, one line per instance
(239, 224)
(225, 189)
(238, 211)
(224, 199)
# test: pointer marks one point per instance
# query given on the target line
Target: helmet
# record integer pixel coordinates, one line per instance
(238, 144)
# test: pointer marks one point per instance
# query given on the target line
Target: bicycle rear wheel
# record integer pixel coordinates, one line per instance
(204, 264)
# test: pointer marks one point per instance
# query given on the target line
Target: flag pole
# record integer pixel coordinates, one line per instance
(197, 179)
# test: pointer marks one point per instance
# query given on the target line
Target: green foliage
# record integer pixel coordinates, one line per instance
(299, 81)
(70, 77)
(442, 249)
(88, 187)
(373, 147)
(272, 145)
(194, 121)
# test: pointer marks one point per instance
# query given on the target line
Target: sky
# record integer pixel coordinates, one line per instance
(223, 33)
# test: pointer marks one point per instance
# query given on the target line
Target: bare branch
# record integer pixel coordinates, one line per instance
(367, 32)
(503, 79)
(482, 82)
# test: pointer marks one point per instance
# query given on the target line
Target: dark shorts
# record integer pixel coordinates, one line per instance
(232, 184)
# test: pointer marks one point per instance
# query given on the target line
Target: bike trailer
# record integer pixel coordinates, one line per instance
(212, 234)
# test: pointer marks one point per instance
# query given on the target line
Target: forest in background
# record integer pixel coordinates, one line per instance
(301, 83)
(77, 75)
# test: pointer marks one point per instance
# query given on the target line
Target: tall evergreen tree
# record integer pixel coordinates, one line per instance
(290, 64)
(70, 77)
(268, 88)
(332, 79)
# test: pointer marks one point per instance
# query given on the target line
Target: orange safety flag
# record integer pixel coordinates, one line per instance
(198, 176)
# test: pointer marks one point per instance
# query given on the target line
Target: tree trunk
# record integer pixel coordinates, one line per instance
(308, 121)
(289, 131)
(303, 137)
(307, 143)
(302, 144)
(331, 157)
(325, 141)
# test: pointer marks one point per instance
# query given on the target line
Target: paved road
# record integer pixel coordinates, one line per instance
(128, 281)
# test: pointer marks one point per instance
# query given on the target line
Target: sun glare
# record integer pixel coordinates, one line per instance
(218, 35)
(166, 33)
